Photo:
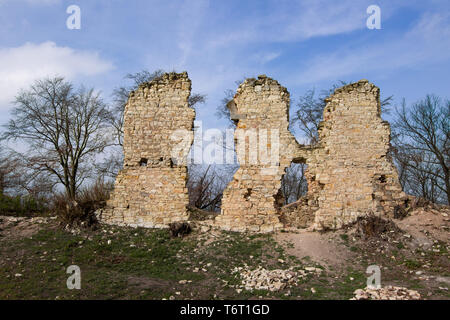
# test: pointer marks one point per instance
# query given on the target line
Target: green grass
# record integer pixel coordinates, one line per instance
(128, 263)
(22, 206)
(412, 264)
(131, 263)
(105, 268)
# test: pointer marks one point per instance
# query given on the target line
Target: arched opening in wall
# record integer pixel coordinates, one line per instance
(293, 184)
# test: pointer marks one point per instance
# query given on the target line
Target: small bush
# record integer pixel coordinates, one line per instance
(22, 206)
(373, 226)
(179, 229)
(81, 211)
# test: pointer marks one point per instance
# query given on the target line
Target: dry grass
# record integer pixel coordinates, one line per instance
(81, 211)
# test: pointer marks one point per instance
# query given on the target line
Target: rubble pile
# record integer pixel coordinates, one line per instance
(272, 280)
(386, 293)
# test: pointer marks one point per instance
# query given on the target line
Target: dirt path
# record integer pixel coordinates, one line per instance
(425, 227)
(19, 227)
(320, 248)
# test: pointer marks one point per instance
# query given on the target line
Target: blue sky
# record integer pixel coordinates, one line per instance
(302, 44)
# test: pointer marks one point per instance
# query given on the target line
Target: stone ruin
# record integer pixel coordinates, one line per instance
(150, 190)
(251, 201)
(349, 172)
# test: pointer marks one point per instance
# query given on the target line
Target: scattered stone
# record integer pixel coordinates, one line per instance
(386, 293)
(271, 280)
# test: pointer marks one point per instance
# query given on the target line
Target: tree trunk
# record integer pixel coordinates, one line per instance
(2, 183)
(447, 185)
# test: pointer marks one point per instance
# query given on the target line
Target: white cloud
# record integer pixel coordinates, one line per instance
(428, 42)
(43, 1)
(265, 57)
(34, 2)
(20, 66)
(190, 16)
(319, 18)
(290, 21)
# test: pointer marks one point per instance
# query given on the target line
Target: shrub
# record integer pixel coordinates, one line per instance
(373, 226)
(81, 211)
(22, 206)
(179, 229)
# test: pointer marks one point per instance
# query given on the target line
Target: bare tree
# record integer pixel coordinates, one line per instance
(222, 111)
(195, 99)
(294, 184)
(207, 183)
(17, 177)
(8, 172)
(422, 148)
(200, 184)
(63, 128)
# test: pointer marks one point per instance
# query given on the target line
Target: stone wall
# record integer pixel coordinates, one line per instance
(260, 108)
(349, 172)
(151, 190)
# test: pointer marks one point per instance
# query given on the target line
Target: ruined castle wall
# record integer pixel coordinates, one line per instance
(249, 202)
(350, 173)
(151, 190)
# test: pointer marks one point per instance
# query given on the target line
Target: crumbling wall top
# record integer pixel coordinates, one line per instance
(258, 84)
(166, 79)
(362, 86)
(259, 99)
(362, 89)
